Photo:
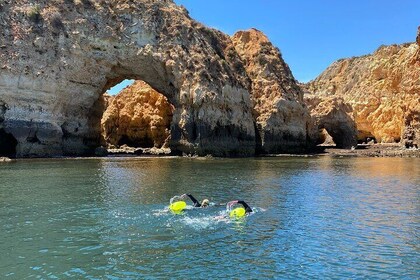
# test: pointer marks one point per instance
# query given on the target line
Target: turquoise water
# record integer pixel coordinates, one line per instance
(329, 218)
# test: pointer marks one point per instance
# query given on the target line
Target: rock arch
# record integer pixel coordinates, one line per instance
(53, 75)
(138, 116)
(335, 116)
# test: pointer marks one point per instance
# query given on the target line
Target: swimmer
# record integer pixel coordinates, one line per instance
(235, 212)
(243, 203)
(203, 203)
(238, 212)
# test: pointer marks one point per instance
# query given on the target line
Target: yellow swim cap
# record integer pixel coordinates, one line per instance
(178, 206)
(237, 212)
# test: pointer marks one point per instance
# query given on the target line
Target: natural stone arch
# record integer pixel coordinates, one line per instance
(341, 133)
(335, 116)
(69, 57)
(138, 116)
(324, 138)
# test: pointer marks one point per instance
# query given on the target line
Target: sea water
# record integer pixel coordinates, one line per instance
(314, 218)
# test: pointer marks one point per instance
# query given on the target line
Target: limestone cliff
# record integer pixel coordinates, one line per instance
(283, 121)
(383, 90)
(58, 57)
(334, 115)
(138, 116)
(418, 36)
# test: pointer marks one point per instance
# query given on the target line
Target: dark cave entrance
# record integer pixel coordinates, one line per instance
(8, 144)
(340, 135)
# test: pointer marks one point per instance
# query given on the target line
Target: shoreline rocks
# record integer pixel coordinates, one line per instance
(5, 159)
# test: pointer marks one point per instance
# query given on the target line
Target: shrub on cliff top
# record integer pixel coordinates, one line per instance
(56, 22)
(34, 14)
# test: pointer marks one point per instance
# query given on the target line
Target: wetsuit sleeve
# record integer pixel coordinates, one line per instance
(195, 201)
(246, 206)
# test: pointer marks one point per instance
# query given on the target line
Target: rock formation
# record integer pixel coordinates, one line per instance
(335, 116)
(5, 159)
(383, 90)
(57, 58)
(283, 121)
(138, 116)
(418, 36)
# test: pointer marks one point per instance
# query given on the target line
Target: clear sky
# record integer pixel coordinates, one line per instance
(312, 34)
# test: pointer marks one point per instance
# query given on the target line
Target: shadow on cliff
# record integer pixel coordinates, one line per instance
(8, 144)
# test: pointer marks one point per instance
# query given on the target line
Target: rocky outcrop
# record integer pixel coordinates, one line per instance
(383, 90)
(335, 116)
(283, 121)
(58, 57)
(138, 116)
(5, 159)
(411, 132)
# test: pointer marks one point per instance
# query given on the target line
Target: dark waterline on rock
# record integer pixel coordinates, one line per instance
(106, 218)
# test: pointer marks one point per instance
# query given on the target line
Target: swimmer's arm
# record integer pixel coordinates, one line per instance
(245, 205)
(195, 201)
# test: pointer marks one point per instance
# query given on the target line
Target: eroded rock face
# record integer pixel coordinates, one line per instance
(335, 116)
(418, 36)
(383, 90)
(58, 57)
(283, 121)
(138, 116)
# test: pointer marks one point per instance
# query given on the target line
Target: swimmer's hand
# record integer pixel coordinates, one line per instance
(219, 218)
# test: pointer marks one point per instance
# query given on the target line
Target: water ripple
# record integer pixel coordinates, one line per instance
(320, 218)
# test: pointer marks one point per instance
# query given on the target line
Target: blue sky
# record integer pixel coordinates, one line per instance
(312, 34)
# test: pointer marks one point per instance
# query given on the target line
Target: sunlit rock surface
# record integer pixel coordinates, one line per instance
(58, 57)
(283, 121)
(335, 116)
(138, 116)
(383, 90)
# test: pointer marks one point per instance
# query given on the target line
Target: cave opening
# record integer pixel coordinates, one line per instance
(367, 140)
(8, 144)
(136, 115)
(324, 138)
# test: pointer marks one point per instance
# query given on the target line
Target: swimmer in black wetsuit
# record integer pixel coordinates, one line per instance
(203, 203)
(243, 203)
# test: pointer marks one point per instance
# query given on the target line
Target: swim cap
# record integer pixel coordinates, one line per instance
(237, 212)
(178, 206)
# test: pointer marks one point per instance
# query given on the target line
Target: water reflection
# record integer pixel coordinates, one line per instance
(314, 217)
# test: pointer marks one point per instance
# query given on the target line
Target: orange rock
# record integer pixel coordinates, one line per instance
(138, 116)
(383, 90)
(282, 119)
